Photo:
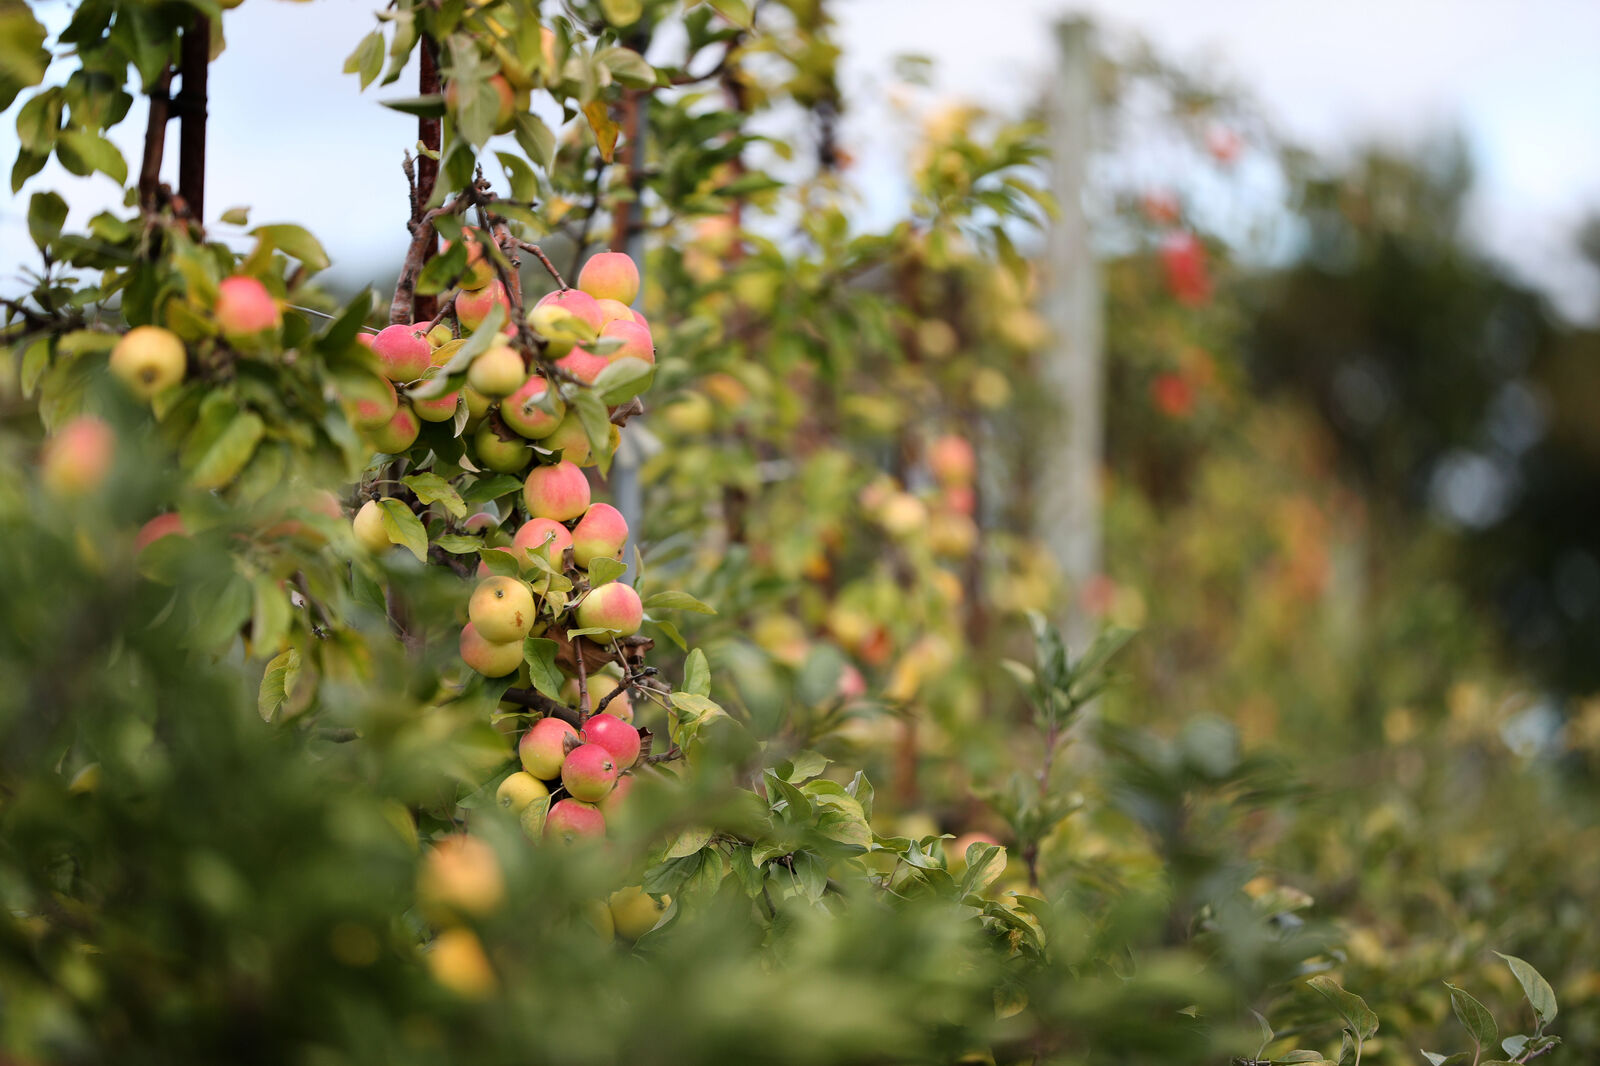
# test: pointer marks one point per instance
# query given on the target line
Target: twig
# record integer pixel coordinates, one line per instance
(538, 253)
(535, 700)
(155, 142)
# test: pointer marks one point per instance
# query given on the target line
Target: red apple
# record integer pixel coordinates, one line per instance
(589, 772)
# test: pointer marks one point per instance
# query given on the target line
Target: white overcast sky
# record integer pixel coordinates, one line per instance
(1521, 78)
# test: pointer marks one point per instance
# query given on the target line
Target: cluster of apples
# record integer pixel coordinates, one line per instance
(584, 770)
(944, 516)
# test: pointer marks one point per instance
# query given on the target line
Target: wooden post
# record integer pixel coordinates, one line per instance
(1067, 514)
(628, 236)
(195, 63)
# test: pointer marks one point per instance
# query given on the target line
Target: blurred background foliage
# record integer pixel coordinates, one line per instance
(1349, 511)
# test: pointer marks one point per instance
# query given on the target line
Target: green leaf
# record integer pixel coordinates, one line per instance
(367, 59)
(269, 623)
(695, 706)
(443, 271)
(294, 241)
(696, 674)
(622, 12)
(35, 361)
(804, 765)
(499, 562)
(456, 544)
(627, 67)
(533, 816)
(83, 152)
(491, 488)
(1540, 995)
(277, 683)
(430, 106)
(605, 130)
(735, 11)
(1475, 1016)
(596, 424)
(431, 488)
(1362, 1021)
(603, 571)
(404, 527)
(23, 57)
(676, 601)
(861, 788)
(236, 216)
(540, 655)
(535, 139)
(670, 631)
(623, 379)
(229, 453)
(46, 213)
(985, 863)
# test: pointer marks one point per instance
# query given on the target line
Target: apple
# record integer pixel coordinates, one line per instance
(613, 607)
(403, 352)
(614, 804)
(589, 772)
(552, 322)
(570, 820)
(601, 532)
(902, 514)
(600, 686)
(502, 608)
(508, 101)
(368, 528)
(521, 410)
(634, 912)
(952, 460)
(578, 302)
(498, 454)
(441, 335)
(480, 522)
(457, 961)
(542, 535)
(473, 305)
(614, 735)
(245, 307)
(691, 414)
(371, 400)
(543, 747)
(637, 317)
(77, 459)
(610, 276)
(162, 525)
(583, 364)
(519, 790)
(148, 360)
(636, 341)
(570, 440)
(439, 408)
(487, 657)
(477, 405)
(397, 434)
(480, 269)
(497, 372)
(559, 492)
(613, 311)
(460, 875)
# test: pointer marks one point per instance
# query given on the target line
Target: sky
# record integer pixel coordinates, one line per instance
(291, 138)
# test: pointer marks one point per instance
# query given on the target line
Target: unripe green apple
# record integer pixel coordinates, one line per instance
(559, 492)
(403, 352)
(551, 321)
(543, 748)
(477, 405)
(600, 533)
(521, 410)
(614, 735)
(368, 528)
(498, 454)
(440, 335)
(544, 536)
(457, 961)
(474, 305)
(613, 607)
(610, 276)
(518, 790)
(503, 609)
(460, 875)
(77, 459)
(487, 657)
(634, 912)
(398, 434)
(570, 440)
(497, 372)
(244, 307)
(589, 772)
(148, 360)
(691, 414)
(571, 820)
(600, 686)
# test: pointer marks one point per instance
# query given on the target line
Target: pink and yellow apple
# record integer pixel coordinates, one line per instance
(559, 492)
(148, 360)
(613, 607)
